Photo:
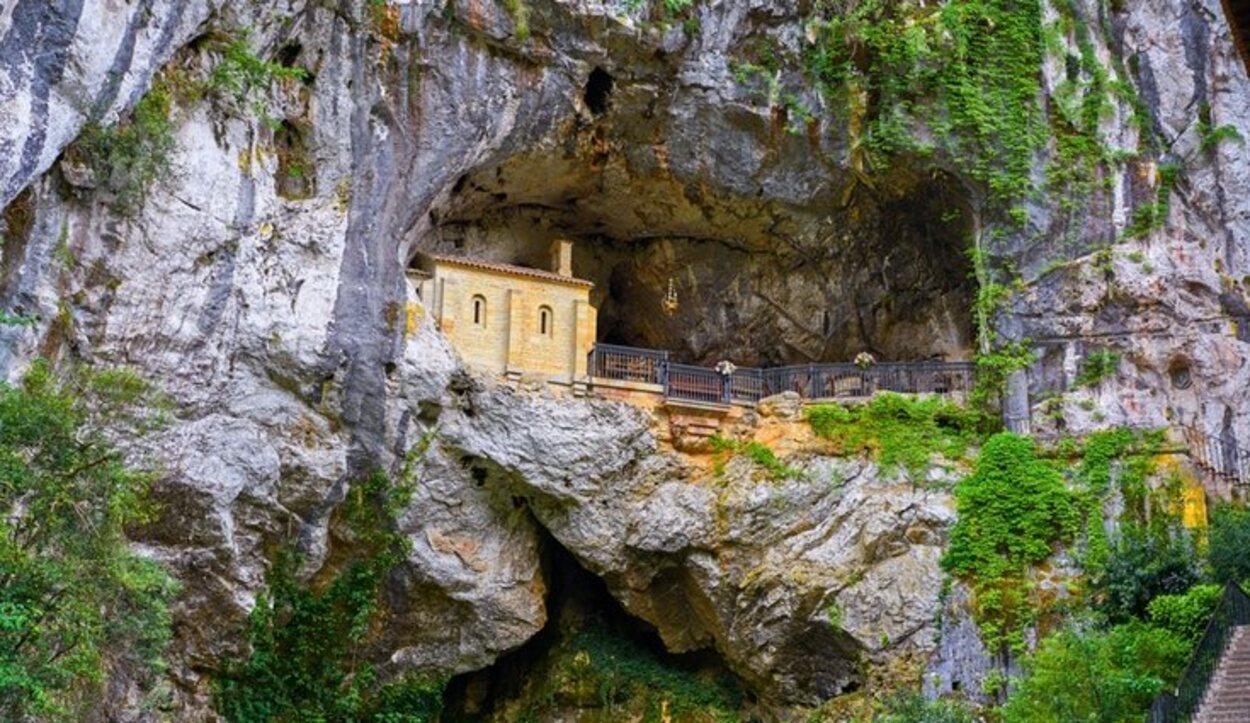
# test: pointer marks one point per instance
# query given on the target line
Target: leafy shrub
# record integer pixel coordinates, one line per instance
(1145, 562)
(1107, 676)
(630, 675)
(913, 708)
(1185, 615)
(1099, 365)
(75, 602)
(241, 71)
(1013, 509)
(898, 430)
(308, 643)
(1227, 543)
(129, 157)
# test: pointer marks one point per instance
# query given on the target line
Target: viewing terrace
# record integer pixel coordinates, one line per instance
(650, 371)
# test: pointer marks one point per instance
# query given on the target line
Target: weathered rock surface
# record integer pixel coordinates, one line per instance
(277, 320)
(789, 580)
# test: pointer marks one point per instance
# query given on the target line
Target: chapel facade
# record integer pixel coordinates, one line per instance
(512, 320)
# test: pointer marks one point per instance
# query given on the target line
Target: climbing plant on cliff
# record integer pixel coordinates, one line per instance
(963, 78)
(309, 641)
(75, 602)
(1013, 510)
(899, 430)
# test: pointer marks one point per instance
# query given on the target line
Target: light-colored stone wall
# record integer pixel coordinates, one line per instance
(508, 338)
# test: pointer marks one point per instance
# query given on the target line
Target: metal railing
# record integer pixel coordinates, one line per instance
(627, 364)
(1219, 458)
(748, 385)
(1232, 610)
(696, 384)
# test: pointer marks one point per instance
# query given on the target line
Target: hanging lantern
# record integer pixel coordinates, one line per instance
(670, 299)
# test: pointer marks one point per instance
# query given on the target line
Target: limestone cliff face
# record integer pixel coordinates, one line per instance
(268, 303)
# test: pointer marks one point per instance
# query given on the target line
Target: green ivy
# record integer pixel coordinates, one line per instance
(1013, 510)
(971, 70)
(899, 430)
(309, 642)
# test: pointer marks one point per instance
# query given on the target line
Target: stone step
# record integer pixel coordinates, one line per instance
(1227, 699)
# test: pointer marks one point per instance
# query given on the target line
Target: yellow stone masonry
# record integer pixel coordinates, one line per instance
(512, 320)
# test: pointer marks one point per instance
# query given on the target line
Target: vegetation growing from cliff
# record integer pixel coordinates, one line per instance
(1095, 675)
(764, 458)
(899, 430)
(632, 681)
(1014, 509)
(76, 604)
(310, 642)
(968, 74)
(127, 158)
(241, 72)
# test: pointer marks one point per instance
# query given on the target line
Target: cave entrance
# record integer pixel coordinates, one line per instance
(759, 282)
(592, 661)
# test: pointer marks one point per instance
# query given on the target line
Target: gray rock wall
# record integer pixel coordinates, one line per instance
(277, 323)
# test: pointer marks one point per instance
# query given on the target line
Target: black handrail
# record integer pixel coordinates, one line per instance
(1232, 610)
(749, 385)
(1220, 458)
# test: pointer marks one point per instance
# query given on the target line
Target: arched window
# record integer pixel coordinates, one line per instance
(545, 320)
(479, 310)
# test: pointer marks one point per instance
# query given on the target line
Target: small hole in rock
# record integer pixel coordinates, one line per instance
(598, 88)
(289, 53)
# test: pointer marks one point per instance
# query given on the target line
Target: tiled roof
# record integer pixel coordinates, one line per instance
(507, 269)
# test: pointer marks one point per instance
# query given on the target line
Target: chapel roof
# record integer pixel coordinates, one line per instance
(510, 269)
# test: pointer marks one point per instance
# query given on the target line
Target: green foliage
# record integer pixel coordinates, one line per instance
(1227, 542)
(630, 676)
(833, 613)
(1110, 677)
(915, 708)
(1144, 563)
(1210, 135)
(241, 72)
(520, 13)
(1151, 216)
(129, 157)
(761, 455)
(1186, 615)
(75, 602)
(1013, 510)
(1099, 364)
(308, 643)
(899, 430)
(971, 70)
(7, 319)
(993, 369)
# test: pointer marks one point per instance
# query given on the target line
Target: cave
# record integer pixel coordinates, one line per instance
(758, 282)
(598, 91)
(590, 658)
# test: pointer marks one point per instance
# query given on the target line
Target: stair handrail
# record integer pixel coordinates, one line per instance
(1179, 706)
(1218, 457)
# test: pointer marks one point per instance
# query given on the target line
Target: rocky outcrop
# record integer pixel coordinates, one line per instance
(791, 581)
(274, 312)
